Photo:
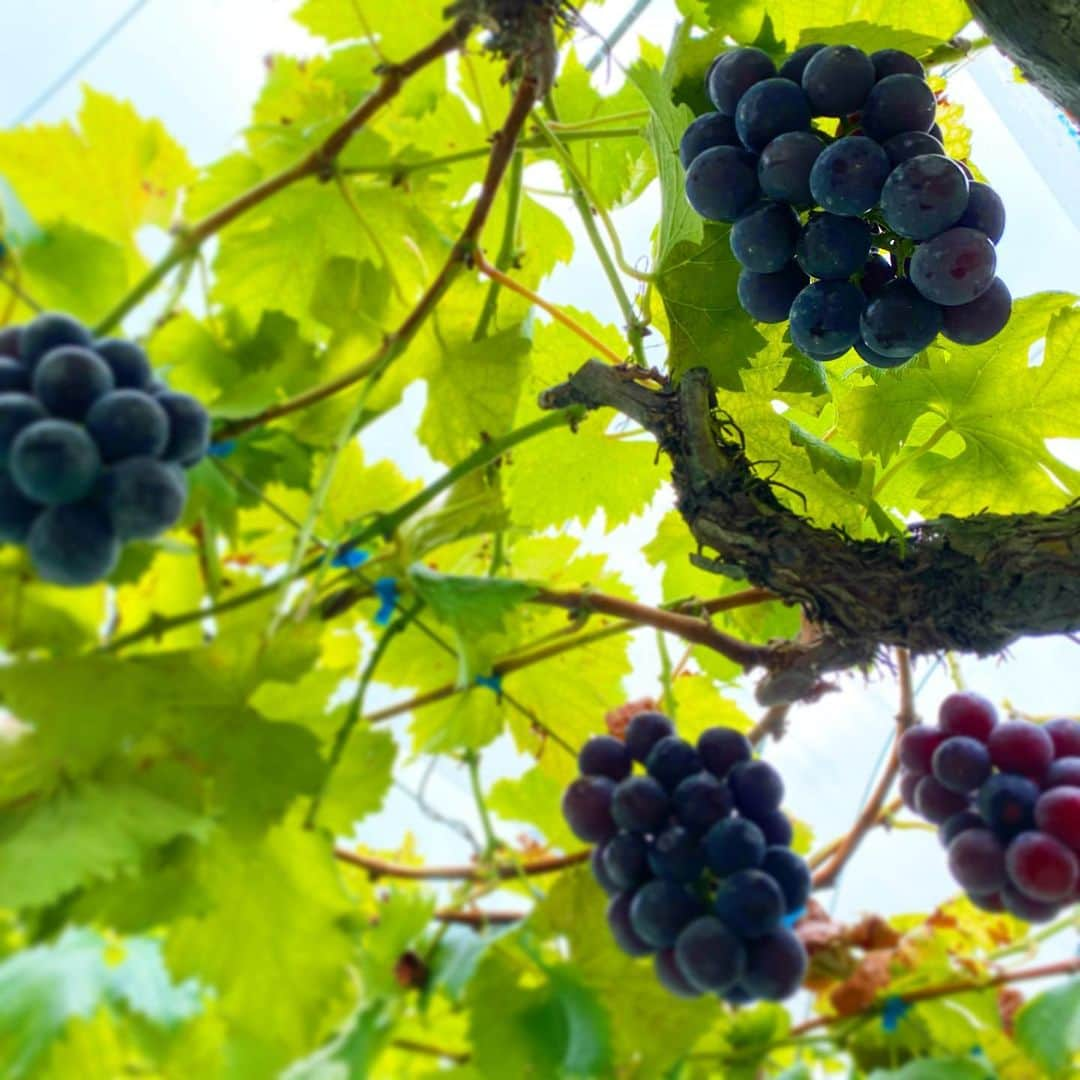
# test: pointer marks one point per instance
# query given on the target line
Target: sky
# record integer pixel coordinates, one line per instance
(199, 64)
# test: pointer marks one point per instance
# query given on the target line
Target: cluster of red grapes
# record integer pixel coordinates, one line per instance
(1006, 798)
(871, 238)
(93, 448)
(695, 855)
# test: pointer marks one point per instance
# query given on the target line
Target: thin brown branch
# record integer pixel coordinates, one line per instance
(824, 854)
(395, 343)
(478, 919)
(411, 1046)
(771, 724)
(960, 986)
(379, 868)
(868, 817)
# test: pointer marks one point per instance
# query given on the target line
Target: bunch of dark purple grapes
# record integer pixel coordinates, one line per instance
(1006, 798)
(873, 238)
(695, 855)
(93, 448)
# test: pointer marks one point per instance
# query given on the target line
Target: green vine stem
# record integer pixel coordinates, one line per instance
(383, 868)
(504, 259)
(491, 841)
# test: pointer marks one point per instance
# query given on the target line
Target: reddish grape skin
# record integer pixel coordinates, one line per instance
(1023, 907)
(1020, 747)
(1041, 867)
(977, 861)
(917, 746)
(1065, 735)
(937, 803)
(1057, 813)
(909, 781)
(967, 714)
(1065, 772)
(961, 764)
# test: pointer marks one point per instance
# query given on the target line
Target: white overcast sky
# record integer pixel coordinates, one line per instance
(198, 65)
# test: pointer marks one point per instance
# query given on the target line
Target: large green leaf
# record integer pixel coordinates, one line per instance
(1048, 1029)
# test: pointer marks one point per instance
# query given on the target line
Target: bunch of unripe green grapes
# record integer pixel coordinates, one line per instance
(695, 855)
(869, 238)
(93, 448)
(1006, 800)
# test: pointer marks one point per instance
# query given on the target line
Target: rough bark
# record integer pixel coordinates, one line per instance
(1042, 37)
(971, 584)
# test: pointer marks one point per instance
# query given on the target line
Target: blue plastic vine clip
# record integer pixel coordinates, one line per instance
(352, 559)
(386, 589)
(222, 449)
(894, 1011)
(492, 682)
(794, 917)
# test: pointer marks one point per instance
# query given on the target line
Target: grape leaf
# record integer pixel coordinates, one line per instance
(1048, 1029)
(534, 798)
(936, 1069)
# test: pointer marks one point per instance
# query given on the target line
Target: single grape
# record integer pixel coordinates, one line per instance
(712, 129)
(1021, 747)
(129, 365)
(896, 62)
(768, 297)
(924, 196)
(775, 965)
(1065, 772)
(671, 761)
(899, 323)
(833, 247)
(763, 239)
(143, 497)
(700, 801)
(776, 827)
(189, 428)
(910, 144)
(757, 788)
(898, 104)
(875, 359)
(937, 803)
(784, 167)
(54, 462)
(977, 861)
(622, 928)
(982, 319)
(1024, 907)
(1057, 813)
(626, 860)
(985, 212)
(709, 955)
(670, 976)
(794, 66)
(586, 805)
(51, 331)
(750, 902)
(967, 714)
(17, 411)
(68, 380)
(791, 873)
(770, 108)
(1041, 867)
(955, 267)
(909, 781)
(644, 731)
(14, 378)
(734, 845)
(991, 902)
(72, 545)
(596, 864)
(1065, 735)
(127, 423)
(837, 80)
(721, 183)
(733, 73)
(640, 804)
(877, 272)
(17, 512)
(848, 176)
(962, 764)
(1008, 804)
(825, 318)
(676, 855)
(10, 341)
(917, 746)
(660, 910)
(958, 823)
(604, 755)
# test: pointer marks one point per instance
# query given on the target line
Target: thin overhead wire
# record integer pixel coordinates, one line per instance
(77, 65)
(618, 34)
